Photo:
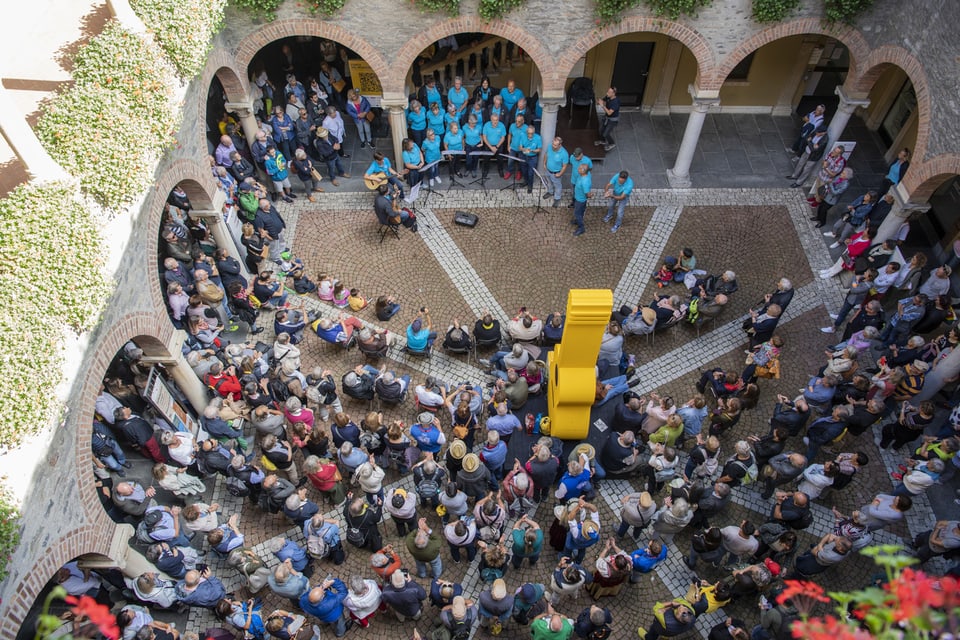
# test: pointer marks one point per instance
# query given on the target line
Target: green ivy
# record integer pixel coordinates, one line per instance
(673, 9)
(110, 127)
(9, 529)
(326, 7)
(493, 9)
(450, 7)
(266, 9)
(765, 11)
(844, 10)
(183, 28)
(611, 11)
(51, 280)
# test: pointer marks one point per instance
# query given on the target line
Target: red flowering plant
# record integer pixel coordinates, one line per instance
(908, 605)
(89, 618)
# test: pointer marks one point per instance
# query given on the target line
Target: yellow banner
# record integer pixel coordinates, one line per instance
(364, 79)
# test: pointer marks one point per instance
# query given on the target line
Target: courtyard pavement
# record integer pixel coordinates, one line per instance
(519, 256)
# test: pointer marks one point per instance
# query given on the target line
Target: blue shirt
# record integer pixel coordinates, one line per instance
(426, 438)
(495, 457)
(582, 187)
(417, 121)
(417, 341)
(330, 607)
(621, 189)
(454, 141)
(471, 135)
(510, 100)
(517, 134)
(644, 562)
(494, 134)
(431, 150)
(411, 156)
(433, 95)
(556, 159)
(458, 98)
(296, 555)
(449, 118)
(476, 112)
(276, 167)
(532, 145)
(379, 167)
(505, 425)
(893, 175)
(436, 121)
(574, 163)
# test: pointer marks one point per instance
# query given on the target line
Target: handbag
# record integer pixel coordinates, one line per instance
(370, 117)
(315, 174)
(339, 85)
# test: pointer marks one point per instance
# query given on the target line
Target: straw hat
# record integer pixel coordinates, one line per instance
(459, 608)
(471, 462)
(921, 366)
(322, 132)
(458, 449)
(590, 529)
(645, 500)
(580, 449)
(499, 589)
(425, 417)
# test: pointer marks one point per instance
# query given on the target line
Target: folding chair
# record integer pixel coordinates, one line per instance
(388, 227)
(468, 350)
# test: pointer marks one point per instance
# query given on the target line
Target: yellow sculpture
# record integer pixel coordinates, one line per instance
(572, 363)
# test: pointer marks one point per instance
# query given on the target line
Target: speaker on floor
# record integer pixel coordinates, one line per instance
(465, 219)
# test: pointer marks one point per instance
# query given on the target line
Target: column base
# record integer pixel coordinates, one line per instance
(678, 182)
(782, 110)
(660, 110)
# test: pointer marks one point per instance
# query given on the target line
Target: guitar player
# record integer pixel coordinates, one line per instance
(381, 172)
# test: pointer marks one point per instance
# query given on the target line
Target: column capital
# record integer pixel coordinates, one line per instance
(207, 215)
(393, 103)
(551, 106)
(243, 109)
(902, 204)
(850, 101)
(703, 99)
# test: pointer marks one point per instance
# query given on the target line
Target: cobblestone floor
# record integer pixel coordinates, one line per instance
(513, 258)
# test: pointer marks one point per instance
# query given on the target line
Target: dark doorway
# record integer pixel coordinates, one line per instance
(630, 71)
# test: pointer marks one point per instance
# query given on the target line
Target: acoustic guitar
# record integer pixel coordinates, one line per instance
(374, 180)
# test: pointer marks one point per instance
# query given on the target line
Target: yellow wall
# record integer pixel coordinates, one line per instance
(771, 68)
(884, 91)
(686, 74)
(600, 61)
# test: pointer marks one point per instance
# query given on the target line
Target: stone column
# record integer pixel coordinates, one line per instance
(668, 73)
(548, 125)
(24, 143)
(186, 380)
(934, 380)
(218, 228)
(121, 555)
(248, 122)
(848, 104)
(785, 101)
(398, 126)
(902, 209)
(679, 176)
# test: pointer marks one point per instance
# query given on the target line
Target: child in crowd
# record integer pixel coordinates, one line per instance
(665, 275)
(293, 267)
(325, 285)
(340, 295)
(356, 301)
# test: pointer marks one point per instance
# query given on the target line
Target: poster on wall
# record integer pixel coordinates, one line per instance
(366, 81)
(161, 396)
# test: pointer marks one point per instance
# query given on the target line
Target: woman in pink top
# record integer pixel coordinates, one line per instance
(658, 410)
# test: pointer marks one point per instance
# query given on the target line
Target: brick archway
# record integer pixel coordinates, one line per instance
(687, 36)
(235, 83)
(472, 24)
(924, 178)
(91, 538)
(850, 37)
(156, 326)
(882, 59)
(199, 186)
(273, 31)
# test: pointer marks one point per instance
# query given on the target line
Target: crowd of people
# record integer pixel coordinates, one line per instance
(278, 436)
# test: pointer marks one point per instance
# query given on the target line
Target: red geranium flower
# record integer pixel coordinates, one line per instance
(828, 628)
(98, 614)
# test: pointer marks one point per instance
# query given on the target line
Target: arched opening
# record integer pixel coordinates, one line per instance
(89, 575)
(304, 83)
(938, 230)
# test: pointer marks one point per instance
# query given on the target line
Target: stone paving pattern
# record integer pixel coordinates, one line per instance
(456, 272)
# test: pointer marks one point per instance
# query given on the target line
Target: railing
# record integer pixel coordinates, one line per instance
(486, 57)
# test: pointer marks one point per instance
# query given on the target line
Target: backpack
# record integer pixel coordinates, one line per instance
(143, 533)
(709, 466)
(752, 472)
(317, 547)
(461, 630)
(279, 390)
(356, 536)
(237, 487)
(253, 568)
(693, 311)
(428, 488)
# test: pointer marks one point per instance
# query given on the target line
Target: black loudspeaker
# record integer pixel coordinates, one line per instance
(465, 219)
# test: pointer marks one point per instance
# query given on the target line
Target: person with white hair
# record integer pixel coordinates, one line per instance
(363, 600)
(350, 458)
(370, 476)
(458, 617)
(671, 518)
(285, 352)
(339, 331)
(389, 387)
(405, 597)
(517, 491)
(424, 545)
(298, 508)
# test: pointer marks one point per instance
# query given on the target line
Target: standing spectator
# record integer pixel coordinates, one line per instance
(325, 603)
(363, 600)
(424, 545)
(495, 606)
(739, 542)
(405, 597)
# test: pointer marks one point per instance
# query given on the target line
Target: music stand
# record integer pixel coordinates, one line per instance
(516, 174)
(411, 198)
(544, 184)
(481, 164)
(425, 181)
(453, 179)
